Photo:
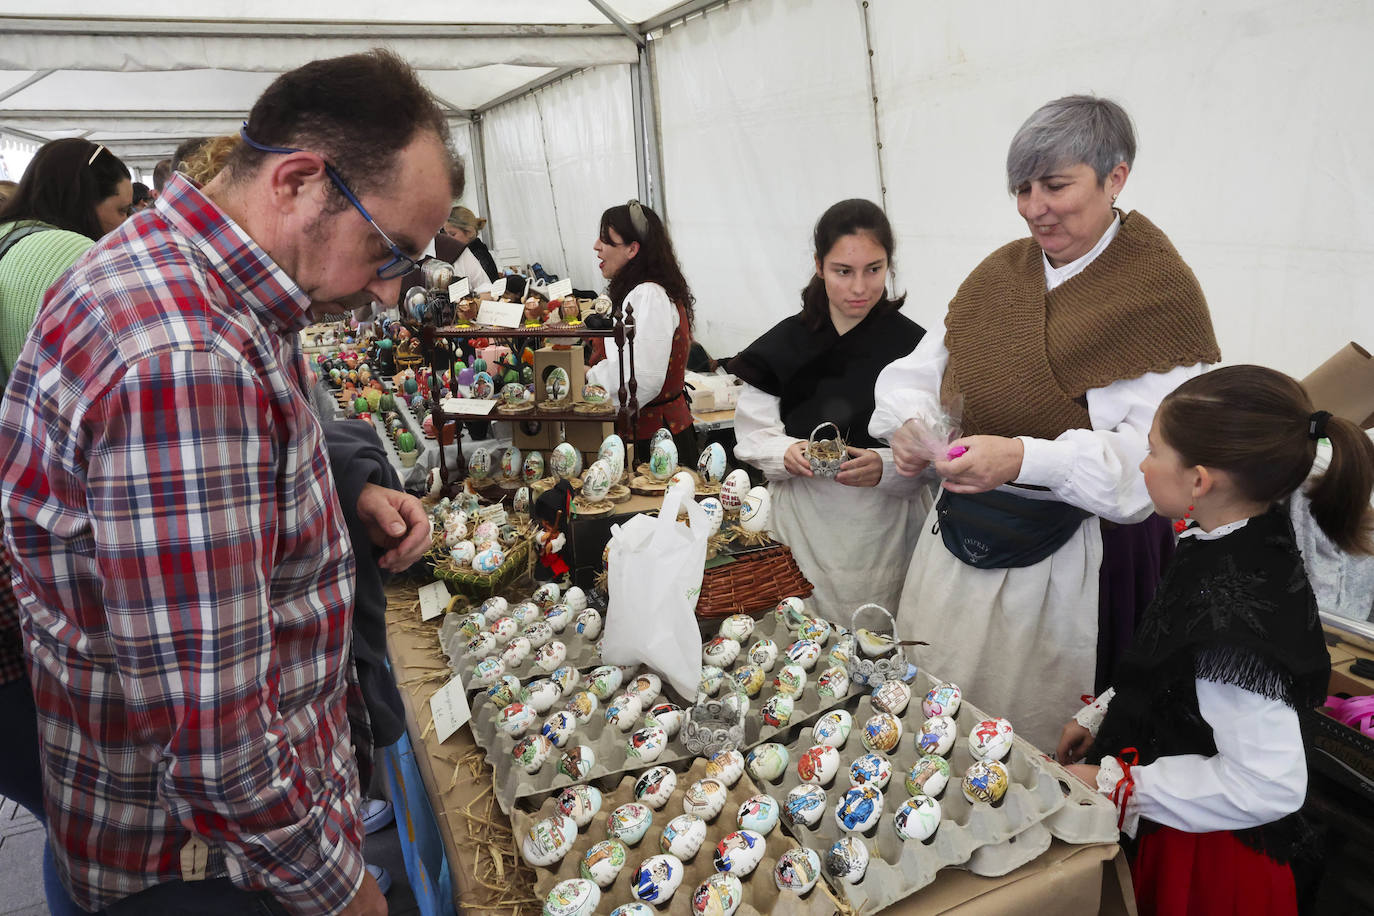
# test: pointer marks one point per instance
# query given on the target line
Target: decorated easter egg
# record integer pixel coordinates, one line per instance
(663, 460)
(733, 490)
(720, 651)
(818, 764)
(833, 683)
(605, 681)
(986, 781)
(891, 696)
(711, 464)
(833, 728)
(583, 705)
(596, 482)
(790, 680)
(516, 652)
(647, 687)
(634, 908)
(859, 809)
(918, 818)
(556, 384)
(777, 711)
(715, 513)
(573, 897)
(657, 879)
(576, 599)
(504, 628)
(764, 653)
(685, 483)
(540, 695)
(520, 503)
(791, 613)
(737, 627)
(488, 671)
(847, 860)
(726, 767)
(646, 744)
(577, 762)
(481, 645)
(588, 624)
(843, 650)
(991, 739)
(483, 386)
(928, 776)
(558, 617)
(549, 840)
(603, 862)
(804, 805)
(662, 434)
(580, 804)
(705, 798)
(472, 624)
(683, 836)
(623, 711)
(718, 895)
(654, 786)
(516, 719)
(942, 700)
(667, 716)
(804, 652)
(937, 735)
(546, 595)
(512, 460)
(505, 691)
(751, 678)
(817, 629)
(882, 732)
(711, 679)
(489, 561)
(629, 822)
(565, 461)
(767, 762)
(612, 451)
(595, 394)
(550, 656)
(512, 394)
(559, 727)
(755, 509)
(739, 853)
(531, 751)
(758, 813)
(527, 612)
(463, 553)
(533, 468)
(479, 464)
(870, 770)
(567, 678)
(797, 870)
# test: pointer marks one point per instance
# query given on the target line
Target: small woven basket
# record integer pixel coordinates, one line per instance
(825, 455)
(874, 672)
(715, 725)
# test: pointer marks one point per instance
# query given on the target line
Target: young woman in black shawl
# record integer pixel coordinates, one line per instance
(851, 535)
(1198, 740)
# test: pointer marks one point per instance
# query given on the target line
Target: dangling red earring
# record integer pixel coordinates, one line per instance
(1182, 523)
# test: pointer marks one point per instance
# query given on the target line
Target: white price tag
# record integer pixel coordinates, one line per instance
(434, 599)
(498, 288)
(500, 314)
(467, 407)
(449, 707)
(559, 290)
(459, 288)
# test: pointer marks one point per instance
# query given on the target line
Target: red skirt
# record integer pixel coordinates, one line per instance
(1209, 874)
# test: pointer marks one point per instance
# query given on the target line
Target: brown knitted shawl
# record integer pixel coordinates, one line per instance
(1024, 359)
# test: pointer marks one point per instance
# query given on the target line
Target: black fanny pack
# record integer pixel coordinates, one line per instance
(997, 530)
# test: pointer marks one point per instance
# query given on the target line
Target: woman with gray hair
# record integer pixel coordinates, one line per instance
(1060, 347)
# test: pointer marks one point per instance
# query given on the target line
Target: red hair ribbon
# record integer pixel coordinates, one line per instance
(1121, 795)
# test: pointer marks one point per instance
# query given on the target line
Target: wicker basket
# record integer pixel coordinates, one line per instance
(826, 455)
(873, 672)
(519, 562)
(753, 584)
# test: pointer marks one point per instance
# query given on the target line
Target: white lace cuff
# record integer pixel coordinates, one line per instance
(1109, 774)
(1091, 716)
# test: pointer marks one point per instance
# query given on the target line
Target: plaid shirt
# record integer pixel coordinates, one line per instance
(183, 569)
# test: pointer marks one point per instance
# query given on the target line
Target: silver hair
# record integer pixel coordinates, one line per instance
(1066, 132)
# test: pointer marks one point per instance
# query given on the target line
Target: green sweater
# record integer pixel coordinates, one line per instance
(26, 273)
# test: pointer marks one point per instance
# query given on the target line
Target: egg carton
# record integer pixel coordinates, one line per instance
(582, 653)
(761, 895)
(1086, 817)
(899, 868)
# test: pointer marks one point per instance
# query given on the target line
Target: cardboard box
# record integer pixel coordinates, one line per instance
(537, 434)
(546, 358)
(587, 435)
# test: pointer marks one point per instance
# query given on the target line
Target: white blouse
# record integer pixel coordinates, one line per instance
(656, 322)
(468, 266)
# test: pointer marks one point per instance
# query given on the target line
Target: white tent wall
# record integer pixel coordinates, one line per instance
(766, 121)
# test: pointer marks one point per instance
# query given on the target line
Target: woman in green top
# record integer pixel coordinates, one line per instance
(73, 192)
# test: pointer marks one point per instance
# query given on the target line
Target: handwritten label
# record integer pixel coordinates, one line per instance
(500, 314)
(495, 513)
(467, 407)
(449, 707)
(559, 290)
(459, 288)
(498, 288)
(433, 599)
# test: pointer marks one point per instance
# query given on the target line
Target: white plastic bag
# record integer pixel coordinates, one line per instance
(655, 578)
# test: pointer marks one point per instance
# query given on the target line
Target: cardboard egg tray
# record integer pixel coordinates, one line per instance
(986, 839)
(761, 894)
(582, 652)
(1086, 817)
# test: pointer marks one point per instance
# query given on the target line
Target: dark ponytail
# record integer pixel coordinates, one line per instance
(1259, 427)
(848, 217)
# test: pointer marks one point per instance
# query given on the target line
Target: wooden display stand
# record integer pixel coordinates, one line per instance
(569, 359)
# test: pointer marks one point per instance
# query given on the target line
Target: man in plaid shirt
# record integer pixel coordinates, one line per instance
(180, 557)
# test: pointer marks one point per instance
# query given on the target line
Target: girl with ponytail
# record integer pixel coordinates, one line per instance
(1198, 741)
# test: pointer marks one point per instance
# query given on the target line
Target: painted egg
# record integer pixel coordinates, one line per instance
(488, 672)
(818, 764)
(583, 706)
(718, 895)
(576, 599)
(479, 464)
(612, 451)
(531, 751)
(603, 862)
(918, 818)
(739, 853)
(556, 384)
(891, 696)
(486, 531)
(577, 762)
(489, 561)
(720, 651)
(516, 719)
(797, 870)
(504, 692)
(711, 678)
(657, 879)
(733, 488)
(791, 680)
(623, 710)
(540, 695)
(633, 909)
(662, 434)
(882, 732)
(705, 798)
(804, 652)
(566, 677)
(481, 645)
(550, 656)
(751, 678)
(777, 712)
(580, 804)
(847, 860)
(991, 739)
(646, 744)
(596, 482)
(843, 651)
(726, 767)
(663, 460)
(512, 394)
(512, 460)
(942, 700)
(559, 727)
(715, 513)
(815, 629)
(711, 464)
(683, 836)
(482, 386)
(588, 624)
(463, 553)
(472, 624)
(928, 776)
(859, 809)
(833, 728)
(595, 394)
(833, 683)
(533, 468)
(526, 612)
(763, 653)
(573, 897)
(565, 461)
(504, 628)
(604, 681)
(791, 613)
(737, 627)
(629, 823)
(870, 770)
(667, 716)
(549, 840)
(937, 735)
(546, 595)
(684, 483)
(516, 653)
(758, 813)
(558, 617)
(520, 503)
(767, 762)
(804, 806)
(986, 781)
(754, 509)
(647, 687)
(655, 786)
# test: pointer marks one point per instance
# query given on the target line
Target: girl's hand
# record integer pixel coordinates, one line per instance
(989, 462)
(1074, 742)
(906, 444)
(863, 469)
(1087, 774)
(795, 462)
